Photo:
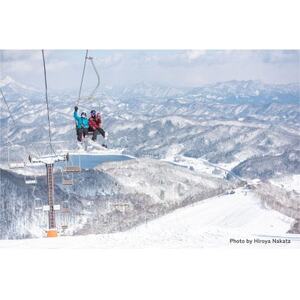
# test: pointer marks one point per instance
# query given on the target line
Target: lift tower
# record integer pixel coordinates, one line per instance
(52, 232)
(51, 207)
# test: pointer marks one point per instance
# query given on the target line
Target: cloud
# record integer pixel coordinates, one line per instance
(24, 61)
(109, 60)
(56, 66)
(20, 55)
(18, 60)
(194, 54)
(280, 56)
(173, 67)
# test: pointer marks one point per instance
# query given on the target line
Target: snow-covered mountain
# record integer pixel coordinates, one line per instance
(16, 87)
(144, 90)
(248, 91)
(243, 124)
(266, 167)
(117, 196)
(203, 125)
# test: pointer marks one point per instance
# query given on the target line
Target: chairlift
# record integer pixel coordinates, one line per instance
(41, 217)
(67, 181)
(38, 204)
(67, 178)
(16, 165)
(30, 180)
(65, 206)
(65, 210)
(92, 94)
(72, 169)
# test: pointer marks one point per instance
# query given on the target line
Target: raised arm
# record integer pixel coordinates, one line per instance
(75, 114)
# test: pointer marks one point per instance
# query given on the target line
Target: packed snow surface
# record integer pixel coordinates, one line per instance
(289, 183)
(209, 223)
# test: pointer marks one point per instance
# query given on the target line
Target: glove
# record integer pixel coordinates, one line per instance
(76, 108)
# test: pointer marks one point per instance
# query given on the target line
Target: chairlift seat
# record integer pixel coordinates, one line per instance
(72, 169)
(30, 181)
(67, 182)
(16, 165)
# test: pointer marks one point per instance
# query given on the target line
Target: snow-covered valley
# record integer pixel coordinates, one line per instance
(209, 223)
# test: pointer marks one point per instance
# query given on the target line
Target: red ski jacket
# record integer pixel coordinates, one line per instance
(95, 123)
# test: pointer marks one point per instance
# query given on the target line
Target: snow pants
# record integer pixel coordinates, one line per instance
(96, 132)
(81, 132)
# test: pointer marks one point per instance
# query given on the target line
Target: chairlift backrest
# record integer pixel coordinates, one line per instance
(72, 169)
(67, 176)
(67, 182)
(16, 165)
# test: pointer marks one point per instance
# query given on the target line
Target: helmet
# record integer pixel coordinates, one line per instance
(93, 112)
(83, 114)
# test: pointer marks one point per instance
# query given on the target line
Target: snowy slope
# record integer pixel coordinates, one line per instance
(289, 183)
(209, 223)
(163, 181)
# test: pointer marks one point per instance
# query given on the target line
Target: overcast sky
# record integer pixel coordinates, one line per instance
(166, 67)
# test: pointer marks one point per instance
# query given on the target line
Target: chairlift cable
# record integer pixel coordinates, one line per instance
(10, 115)
(98, 78)
(7, 106)
(82, 77)
(91, 96)
(47, 102)
(9, 142)
(98, 82)
(3, 97)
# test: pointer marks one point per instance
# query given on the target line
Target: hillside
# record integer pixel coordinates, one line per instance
(116, 197)
(209, 223)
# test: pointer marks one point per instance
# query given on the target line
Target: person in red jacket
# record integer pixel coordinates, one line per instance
(95, 125)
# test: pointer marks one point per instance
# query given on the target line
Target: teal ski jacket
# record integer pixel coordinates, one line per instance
(81, 122)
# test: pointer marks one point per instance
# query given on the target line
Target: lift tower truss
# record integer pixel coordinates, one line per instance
(49, 162)
(51, 213)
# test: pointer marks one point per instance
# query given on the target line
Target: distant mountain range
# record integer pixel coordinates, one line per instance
(227, 122)
(233, 91)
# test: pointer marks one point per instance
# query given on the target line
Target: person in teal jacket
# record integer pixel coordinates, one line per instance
(82, 124)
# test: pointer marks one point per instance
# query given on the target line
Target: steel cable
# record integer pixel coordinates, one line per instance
(47, 103)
